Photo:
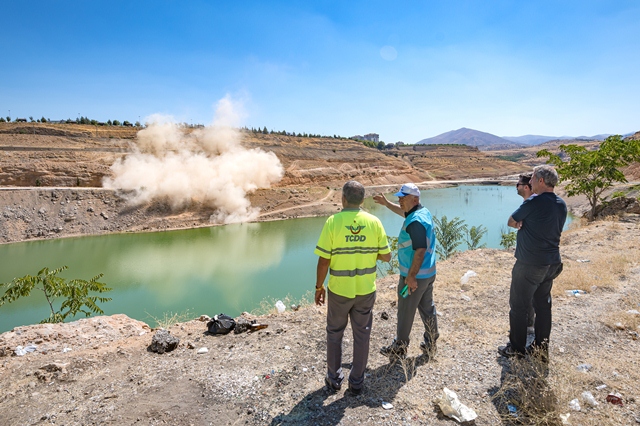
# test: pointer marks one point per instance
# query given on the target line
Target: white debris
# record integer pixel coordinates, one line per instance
(203, 350)
(20, 351)
(466, 276)
(452, 407)
(387, 405)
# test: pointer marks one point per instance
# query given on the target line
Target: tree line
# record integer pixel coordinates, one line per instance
(79, 120)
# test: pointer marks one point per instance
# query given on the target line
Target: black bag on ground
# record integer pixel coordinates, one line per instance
(221, 324)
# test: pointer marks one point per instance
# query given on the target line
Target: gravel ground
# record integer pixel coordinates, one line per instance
(101, 371)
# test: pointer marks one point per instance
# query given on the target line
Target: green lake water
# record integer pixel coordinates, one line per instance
(226, 269)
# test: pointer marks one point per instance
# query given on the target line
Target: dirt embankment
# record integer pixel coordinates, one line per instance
(99, 370)
(51, 178)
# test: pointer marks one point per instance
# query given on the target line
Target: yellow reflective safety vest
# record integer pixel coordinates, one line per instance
(352, 240)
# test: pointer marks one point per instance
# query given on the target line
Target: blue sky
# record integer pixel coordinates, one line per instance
(406, 70)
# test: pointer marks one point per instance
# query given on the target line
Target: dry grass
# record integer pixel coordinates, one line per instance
(169, 319)
(268, 306)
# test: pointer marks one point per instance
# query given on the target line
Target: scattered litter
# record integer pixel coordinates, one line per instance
(584, 367)
(203, 350)
(565, 418)
(387, 405)
(465, 297)
(305, 369)
(601, 387)
(589, 399)
(574, 404)
(287, 348)
(615, 399)
(513, 410)
(466, 276)
(20, 351)
(295, 307)
(633, 312)
(280, 306)
(65, 350)
(452, 407)
(576, 293)
(583, 260)
(142, 333)
(619, 326)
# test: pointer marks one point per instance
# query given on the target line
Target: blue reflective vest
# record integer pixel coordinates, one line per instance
(405, 248)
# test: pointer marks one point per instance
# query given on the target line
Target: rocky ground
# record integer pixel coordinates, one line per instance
(101, 371)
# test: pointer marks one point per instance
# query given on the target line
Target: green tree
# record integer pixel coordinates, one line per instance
(8, 119)
(2, 120)
(116, 123)
(474, 235)
(590, 173)
(508, 239)
(450, 234)
(31, 119)
(76, 293)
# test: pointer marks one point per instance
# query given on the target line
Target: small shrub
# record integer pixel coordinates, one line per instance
(450, 234)
(508, 239)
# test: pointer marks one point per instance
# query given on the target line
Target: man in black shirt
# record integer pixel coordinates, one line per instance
(539, 221)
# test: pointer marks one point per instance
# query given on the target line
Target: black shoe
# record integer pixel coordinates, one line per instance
(507, 351)
(394, 350)
(355, 391)
(330, 386)
(428, 350)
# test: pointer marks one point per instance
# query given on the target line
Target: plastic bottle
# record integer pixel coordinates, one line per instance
(280, 306)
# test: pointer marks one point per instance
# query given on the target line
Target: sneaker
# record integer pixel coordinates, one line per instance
(330, 386)
(394, 350)
(428, 349)
(507, 351)
(355, 391)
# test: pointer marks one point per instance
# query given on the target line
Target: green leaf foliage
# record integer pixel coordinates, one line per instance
(474, 235)
(76, 294)
(450, 234)
(508, 239)
(590, 173)
(391, 267)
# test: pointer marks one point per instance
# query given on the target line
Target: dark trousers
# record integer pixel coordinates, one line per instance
(531, 284)
(360, 311)
(422, 301)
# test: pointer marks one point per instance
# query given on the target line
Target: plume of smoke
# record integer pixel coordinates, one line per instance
(208, 165)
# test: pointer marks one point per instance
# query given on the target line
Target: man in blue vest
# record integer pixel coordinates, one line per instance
(417, 262)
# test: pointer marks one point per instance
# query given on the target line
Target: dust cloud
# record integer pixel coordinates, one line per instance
(207, 165)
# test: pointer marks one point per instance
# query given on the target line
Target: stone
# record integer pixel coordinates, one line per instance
(163, 342)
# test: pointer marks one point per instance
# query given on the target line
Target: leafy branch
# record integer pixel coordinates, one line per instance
(76, 293)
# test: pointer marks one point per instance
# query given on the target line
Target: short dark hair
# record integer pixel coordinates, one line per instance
(353, 192)
(525, 178)
(547, 173)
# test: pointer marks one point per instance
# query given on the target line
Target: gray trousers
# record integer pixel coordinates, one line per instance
(339, 310)
(422, 300)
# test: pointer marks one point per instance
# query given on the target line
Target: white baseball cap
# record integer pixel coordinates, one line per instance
(408, 189)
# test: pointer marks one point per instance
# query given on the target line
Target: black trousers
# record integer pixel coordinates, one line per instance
(531, 284)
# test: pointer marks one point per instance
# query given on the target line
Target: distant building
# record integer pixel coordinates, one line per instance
(373, 137)
(21, 120)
